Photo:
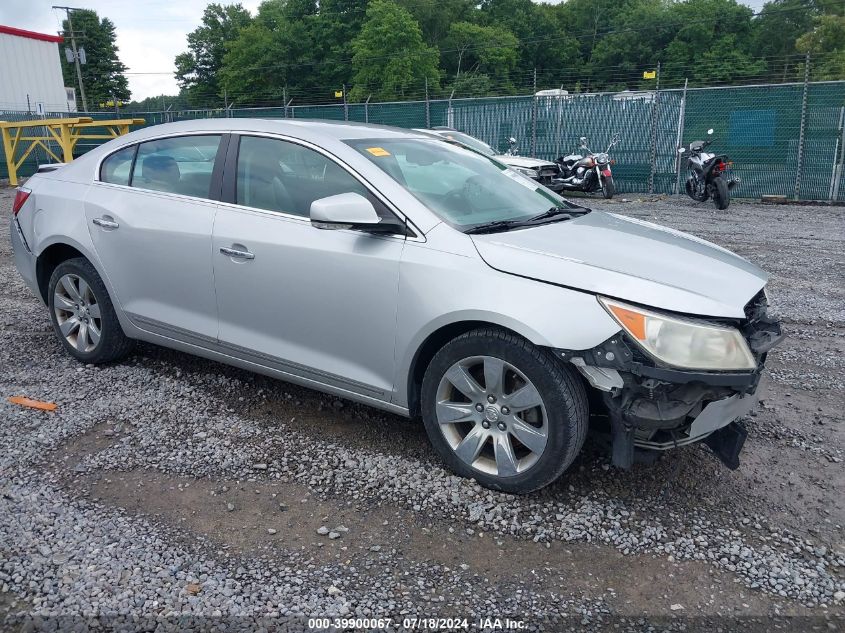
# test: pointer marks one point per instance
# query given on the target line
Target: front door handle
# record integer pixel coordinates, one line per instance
(237, 254)
(106, 223)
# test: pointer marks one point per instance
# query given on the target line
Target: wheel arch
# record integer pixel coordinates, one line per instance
(58, 250)
(49, 259)
(436, 339)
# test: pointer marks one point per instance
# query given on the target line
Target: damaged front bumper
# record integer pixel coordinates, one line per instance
(653, 408)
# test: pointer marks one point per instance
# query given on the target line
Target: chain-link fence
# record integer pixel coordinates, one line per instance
(783, 139)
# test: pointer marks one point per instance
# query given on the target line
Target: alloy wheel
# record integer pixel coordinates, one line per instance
(77, 313)
(492, 416)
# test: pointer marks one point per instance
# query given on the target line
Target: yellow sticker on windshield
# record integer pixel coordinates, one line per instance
(378, 151)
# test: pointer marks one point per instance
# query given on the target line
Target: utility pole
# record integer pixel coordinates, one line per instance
(67, 10)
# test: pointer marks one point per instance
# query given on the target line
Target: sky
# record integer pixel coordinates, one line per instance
(150, 33)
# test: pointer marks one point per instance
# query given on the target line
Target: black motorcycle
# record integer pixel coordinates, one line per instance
(587, 171)
(709, 174)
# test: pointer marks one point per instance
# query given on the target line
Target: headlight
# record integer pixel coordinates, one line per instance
(526, 171)
(683, 343)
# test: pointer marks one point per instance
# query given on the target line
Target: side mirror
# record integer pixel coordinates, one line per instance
(343, 211)
(681, 150)
(583, 140)
(710, 131)
(512, 141)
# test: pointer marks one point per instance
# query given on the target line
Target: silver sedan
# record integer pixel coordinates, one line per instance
(400, 271)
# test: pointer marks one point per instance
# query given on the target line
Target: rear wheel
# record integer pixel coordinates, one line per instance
(721, 193)
(83, 315)
(607, 187)
(503, 411)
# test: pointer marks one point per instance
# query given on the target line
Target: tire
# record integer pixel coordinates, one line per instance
(561, 415)
(607, 187)
(690, 189)
(721, 193)
(74, 283)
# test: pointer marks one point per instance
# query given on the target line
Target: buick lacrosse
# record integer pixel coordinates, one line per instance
(406, 273)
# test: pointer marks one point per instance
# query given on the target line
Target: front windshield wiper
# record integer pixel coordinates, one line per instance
(557, 213)
(492, 227)
(554, 212)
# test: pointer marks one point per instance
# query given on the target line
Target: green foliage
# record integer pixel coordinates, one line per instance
(308, 49)
(103, 74)
(390, 57)
(197, 70)
(827, 41)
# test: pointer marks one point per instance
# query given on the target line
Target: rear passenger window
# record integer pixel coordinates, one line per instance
(117, 167)
(180, 165)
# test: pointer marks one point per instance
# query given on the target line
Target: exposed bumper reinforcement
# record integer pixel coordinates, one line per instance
(715, 416)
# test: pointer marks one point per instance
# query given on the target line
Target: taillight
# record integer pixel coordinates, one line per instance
(21, 195)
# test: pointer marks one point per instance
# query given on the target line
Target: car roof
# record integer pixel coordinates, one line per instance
(305, 128)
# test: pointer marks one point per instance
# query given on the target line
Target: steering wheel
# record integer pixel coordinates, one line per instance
(471, 190)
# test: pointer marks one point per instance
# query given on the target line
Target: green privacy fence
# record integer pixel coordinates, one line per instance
(784, 139)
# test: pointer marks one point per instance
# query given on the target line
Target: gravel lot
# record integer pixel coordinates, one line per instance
(172, 486)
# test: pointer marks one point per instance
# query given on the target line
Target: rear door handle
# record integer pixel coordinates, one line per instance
(237, 254)
(105, 223)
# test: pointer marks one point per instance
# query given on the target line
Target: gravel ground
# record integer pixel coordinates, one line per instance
(171, 486)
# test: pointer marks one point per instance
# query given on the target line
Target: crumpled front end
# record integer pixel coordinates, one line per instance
(651, 407)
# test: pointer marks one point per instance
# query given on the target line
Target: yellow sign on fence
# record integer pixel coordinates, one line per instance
(649, 74)
(66, 133)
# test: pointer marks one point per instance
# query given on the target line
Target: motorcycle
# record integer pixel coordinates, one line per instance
(709, 176)
(512, 149)
(588, 171)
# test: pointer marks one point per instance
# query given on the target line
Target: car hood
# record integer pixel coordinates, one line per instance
(523, 161)
(628, 259)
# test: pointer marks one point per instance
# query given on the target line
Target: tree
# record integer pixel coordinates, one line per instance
(197, 69)
(485, 51)
(103, 73)
(436, 18)
(712, 43)
(826, 45)
(270, 53)
(391, 60)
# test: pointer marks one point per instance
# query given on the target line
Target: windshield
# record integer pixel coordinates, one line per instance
(469, 141)
(462, 187)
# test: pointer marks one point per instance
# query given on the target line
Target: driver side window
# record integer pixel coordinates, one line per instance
(281, 176)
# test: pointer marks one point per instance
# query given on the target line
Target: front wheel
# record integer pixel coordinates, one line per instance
(721, 193)
(607, 187)
(502, 411)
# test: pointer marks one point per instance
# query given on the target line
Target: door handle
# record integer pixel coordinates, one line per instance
(106, 224)
(237, 254)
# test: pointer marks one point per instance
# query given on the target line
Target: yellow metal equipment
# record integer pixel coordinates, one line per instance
(64, 132)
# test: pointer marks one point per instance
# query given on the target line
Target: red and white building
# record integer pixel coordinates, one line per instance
(31, 73)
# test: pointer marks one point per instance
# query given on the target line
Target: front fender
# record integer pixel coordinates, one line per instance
(438, 289)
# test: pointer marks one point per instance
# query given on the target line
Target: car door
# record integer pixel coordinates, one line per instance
(319, 304)
(150, 216)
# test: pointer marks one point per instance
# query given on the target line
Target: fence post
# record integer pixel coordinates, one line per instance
(680, 137)
(450, 114)
(292, 113)
(367, 109)
(427, 107)
(285, 99)
(800, 162)
(345, 105)
(653, 157)
(534, 116)
(838, 157)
